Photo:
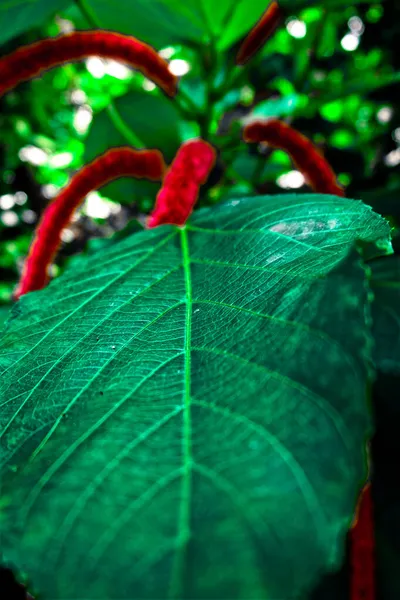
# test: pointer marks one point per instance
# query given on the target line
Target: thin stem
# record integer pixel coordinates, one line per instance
(88, 13)
(124, 129)
(192, 110)
(234, 76)
(258, 171)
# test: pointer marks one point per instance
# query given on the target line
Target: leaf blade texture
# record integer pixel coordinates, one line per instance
(184, 413)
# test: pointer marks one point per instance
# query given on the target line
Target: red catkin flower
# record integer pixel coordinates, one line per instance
(178, 195)
(115, 163)
(33, 59)
(259, 34)
(362, 553)
(302, 151)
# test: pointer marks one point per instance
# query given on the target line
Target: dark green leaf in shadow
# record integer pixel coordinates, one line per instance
(385, 283)
(157, 22)
(18, 16)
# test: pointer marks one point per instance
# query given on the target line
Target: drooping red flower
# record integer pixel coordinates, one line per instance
(33, 59)
(257, 37)
(302, 151)
(362, 553)
(115, 163)
(178, 195)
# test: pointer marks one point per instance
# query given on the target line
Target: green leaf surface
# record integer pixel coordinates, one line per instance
(18, 16)
(153, 119)
(180, 416)
(4, 313)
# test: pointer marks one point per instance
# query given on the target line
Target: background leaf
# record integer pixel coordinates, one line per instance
(18, 16)
(133, 464)
(159, 22)
(386, 313)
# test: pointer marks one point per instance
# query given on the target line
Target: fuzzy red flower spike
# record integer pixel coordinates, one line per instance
(257, 37)
(115, 163)
(302, 151)
(32, 60)
(178, 195)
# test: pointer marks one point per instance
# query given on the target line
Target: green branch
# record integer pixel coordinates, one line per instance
(121, 126)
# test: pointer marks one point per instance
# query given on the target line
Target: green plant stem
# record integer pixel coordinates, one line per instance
(88, 13)
(121, 126)
(255, 180)
(192, 110)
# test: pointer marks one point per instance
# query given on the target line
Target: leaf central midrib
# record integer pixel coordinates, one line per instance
(183, 529)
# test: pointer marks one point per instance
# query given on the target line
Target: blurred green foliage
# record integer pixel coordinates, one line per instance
(330, 70)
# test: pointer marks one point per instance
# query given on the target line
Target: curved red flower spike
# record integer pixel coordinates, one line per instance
(178, 195)
(257, 37)
(115, 163)
(363, 549)
(302, 151)
(33, 59)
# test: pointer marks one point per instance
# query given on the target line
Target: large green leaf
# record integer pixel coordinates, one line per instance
(153, 119)
(18, 16)
(185, 415)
